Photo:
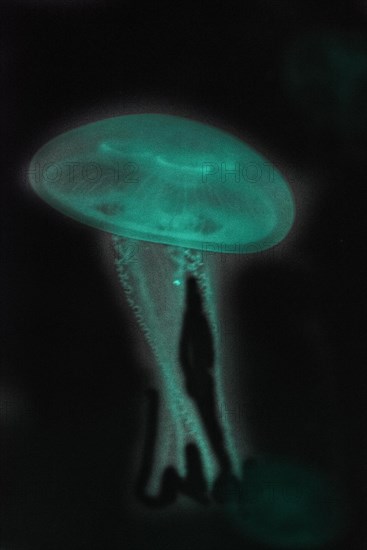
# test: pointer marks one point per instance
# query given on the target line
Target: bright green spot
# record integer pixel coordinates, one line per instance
(165, 179)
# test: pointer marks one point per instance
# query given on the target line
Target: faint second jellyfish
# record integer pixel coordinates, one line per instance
(286, 504)
(324, 75)
(158, 179)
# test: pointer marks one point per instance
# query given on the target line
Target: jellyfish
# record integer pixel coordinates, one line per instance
(286, 504)
(324, 74)
(180, 194)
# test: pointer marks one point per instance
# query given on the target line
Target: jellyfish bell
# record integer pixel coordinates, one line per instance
(163, 179)
(177, 188)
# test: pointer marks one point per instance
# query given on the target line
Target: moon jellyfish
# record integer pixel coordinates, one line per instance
(169, 188)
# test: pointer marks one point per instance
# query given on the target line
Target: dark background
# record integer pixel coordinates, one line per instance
(71, 387)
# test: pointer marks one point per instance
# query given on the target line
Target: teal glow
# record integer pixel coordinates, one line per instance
(285, 505)
(168, 188)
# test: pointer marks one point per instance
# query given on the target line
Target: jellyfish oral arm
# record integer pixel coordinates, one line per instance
(154, 284)
(155, 291)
